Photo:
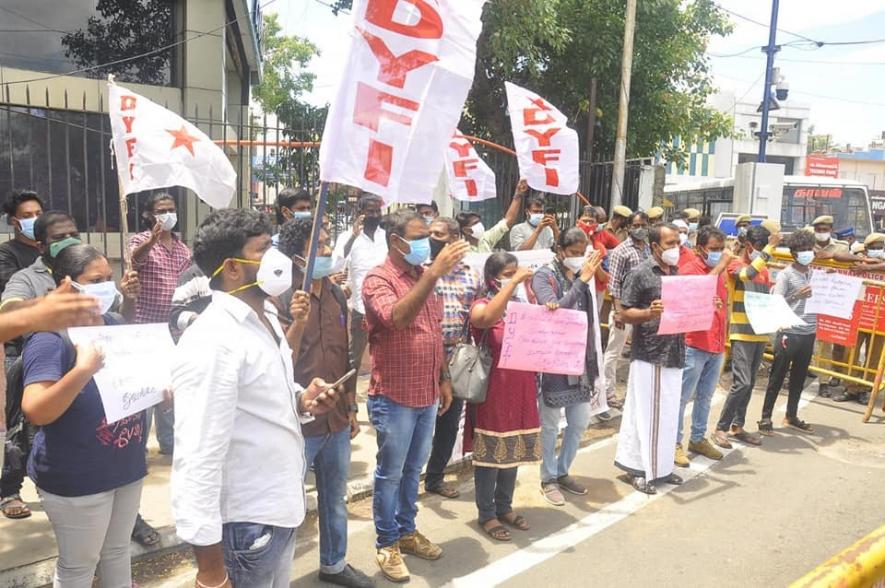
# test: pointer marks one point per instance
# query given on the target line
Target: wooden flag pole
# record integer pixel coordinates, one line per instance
(315, 235)
(124, 227)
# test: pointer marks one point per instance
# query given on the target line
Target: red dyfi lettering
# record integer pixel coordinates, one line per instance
(393, 69)
(127, 102)
(463, 149)
(542, 156)
(429, 26)
(368, 109)
(543, 138)
(127, 122)
(463, 166)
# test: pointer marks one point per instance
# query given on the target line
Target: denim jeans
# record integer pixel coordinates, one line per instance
(494, 491)
(165, 421)
(746, 357)
(443, 444)
(404, 435)
(330, 456)
(699, 379)
(258, 556)
(578, 418)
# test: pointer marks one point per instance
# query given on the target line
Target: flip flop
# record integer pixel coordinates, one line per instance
(497, 532)
(446, 491)
(748, 438)
(517, 522)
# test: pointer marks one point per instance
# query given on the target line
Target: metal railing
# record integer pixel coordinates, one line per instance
(860, 566)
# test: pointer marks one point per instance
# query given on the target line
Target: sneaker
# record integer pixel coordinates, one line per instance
(350, 577)
(418, 545)
(551, 494)
(680, 458)
(705, 448)
(720, 438)
(569, 484)
(390, 560)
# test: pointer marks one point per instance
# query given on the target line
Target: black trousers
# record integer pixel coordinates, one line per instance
(793, 353)
(443, 444)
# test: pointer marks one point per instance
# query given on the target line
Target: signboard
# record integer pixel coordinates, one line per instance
(820, 165)
(839, 331)
(545, 341)
(688, 303)
(820, 192)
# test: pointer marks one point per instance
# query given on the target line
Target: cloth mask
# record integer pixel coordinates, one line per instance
(106, 292)
(371, 223)
(435, 247)
(876, 253)
(670, 256)
(805, 257)
(639, 234)
(574, 263)
(59, 246)
(683, 238)
(27, 226)
(535, 219)
(477, 231)
(167, 220)
(419, 250)
(822, 237)
(713, 258)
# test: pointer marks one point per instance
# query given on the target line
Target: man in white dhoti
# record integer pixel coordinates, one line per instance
(654, 387)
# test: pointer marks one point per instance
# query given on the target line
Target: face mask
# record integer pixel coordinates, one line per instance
(683, 238)
(419, 250)
(477, 230)
(167, 220)
(535, 219)
(670, 256)
(322, 267)
(589, 229)
(574, 263)
(435, 247)
(302, 214)
(26, 225)
(370, 223)
(742, 231)
(822, 237)
(274, 273)
(713, 258)
(428, 219)
(59, 246)
(755, 255)
(805, 257)
(692, 227)
(106, 292)
(876, 253)
(639, 234)
(502, 283)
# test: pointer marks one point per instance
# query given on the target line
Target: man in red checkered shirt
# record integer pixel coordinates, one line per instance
(160, 258)
(410, 381)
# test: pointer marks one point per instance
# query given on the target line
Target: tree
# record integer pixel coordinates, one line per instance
(556, 47)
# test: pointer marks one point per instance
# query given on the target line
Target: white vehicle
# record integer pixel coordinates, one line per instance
(804, 199)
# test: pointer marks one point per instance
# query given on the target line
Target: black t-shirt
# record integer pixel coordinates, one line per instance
(14, 255)
(641, 287)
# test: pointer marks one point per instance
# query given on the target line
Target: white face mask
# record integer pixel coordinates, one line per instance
(683, 238)
(106, 292)
(574, 263)
(670, 256)
(477, 230)
(167, 220)
(822, 237)
(274, 273)
(876, 253)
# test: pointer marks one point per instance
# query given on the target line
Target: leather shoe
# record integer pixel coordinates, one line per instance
(350, 577)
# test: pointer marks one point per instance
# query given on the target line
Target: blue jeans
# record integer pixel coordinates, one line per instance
(330, 456)
(258, 556)
(404, 436)
(699, 377)
(578, 418)
(165, 427)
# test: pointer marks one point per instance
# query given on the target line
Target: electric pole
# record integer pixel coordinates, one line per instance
(771, 49)
(620, 161)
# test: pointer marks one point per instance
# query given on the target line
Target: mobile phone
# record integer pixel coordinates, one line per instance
(342, 379)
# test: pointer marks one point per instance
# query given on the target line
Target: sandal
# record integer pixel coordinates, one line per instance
(497, 532)
(766, 427)
(14, 507)
(746, 437)
(144, 534)
(798, 423)
(516, 521)
(643, 486)
(444, 490)
(721, 439)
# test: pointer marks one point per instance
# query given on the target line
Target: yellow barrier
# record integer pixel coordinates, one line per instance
(860, 566)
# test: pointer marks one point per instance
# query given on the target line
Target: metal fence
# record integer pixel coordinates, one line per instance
(63, 154)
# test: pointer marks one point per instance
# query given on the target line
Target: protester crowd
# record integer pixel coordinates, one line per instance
(264, 378)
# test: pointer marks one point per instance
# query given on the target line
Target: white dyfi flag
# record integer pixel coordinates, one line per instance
(547, 150)
(470, 178)
(156, 148)
(408, 73)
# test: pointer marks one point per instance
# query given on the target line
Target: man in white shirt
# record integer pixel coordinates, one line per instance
(237, 473)
(539, 231)
(363, 249)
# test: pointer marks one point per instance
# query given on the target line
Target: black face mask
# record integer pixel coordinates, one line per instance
(435, 247)
(370, 223)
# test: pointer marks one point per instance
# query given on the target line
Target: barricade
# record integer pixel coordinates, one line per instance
(860, 566)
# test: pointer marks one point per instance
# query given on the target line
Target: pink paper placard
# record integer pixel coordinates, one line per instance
(689, 304)
(540, 340)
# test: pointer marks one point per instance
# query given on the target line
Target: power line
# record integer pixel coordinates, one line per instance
(31, 20)
(765, 25)
(134, 57)
(815, 61)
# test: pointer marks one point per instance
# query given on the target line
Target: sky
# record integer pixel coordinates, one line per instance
(843, 85)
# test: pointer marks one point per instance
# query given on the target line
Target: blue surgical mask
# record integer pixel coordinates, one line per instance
(302, 214)
(419, 250)
(742, 231)
(106, 292)
(322, 267)
(535, 219)
(59, 246)
(27, 226)
(713, 258)
(692, 227)
(805, 257)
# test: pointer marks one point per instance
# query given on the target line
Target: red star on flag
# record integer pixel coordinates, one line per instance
(183, 139)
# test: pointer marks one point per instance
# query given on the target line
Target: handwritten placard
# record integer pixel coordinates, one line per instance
(136, 365)
(533, 259)
(689, 303)
(769, 313)
(833, 294)
(540, 340)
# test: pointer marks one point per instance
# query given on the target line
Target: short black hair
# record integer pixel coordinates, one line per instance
(396, 223)
(708, 232)
(367, 198)
(72, 261)
(639, 214)
(16, 197)
(147, 214)
(801, 240)
(705, 221)
(572, 236)
(656, 233)
(49, 219)
(294, 235)
(496, 263)
(223, 234)
(287, 198)
(432, 205)
(535, 199)
(464, 217)
(451, 224)
(757, 235)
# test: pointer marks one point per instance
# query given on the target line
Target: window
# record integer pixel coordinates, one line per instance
(48, 37)
(847, 206)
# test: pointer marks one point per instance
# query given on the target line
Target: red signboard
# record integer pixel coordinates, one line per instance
(818, 193)
(819, 165)
(839, 331)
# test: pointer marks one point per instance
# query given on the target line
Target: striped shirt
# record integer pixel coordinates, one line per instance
(788, 283)
(743, 277)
